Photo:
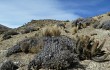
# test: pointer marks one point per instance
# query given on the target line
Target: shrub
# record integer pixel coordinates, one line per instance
(3, 29)
(8, 65)
(106, 25)
(96, 24)
(28, 30)
(76, 22)
(51, 31)
(61, 25)
(59, 52)
(29, 45)
(8, 34)
(7, 37)
(74, 30)
(82, 23)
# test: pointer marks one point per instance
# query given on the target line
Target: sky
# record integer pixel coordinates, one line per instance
(15, 13)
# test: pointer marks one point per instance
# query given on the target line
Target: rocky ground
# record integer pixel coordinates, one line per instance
(23, 59)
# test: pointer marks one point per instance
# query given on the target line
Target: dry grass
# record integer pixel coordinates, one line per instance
(51, 31)
(74, 30)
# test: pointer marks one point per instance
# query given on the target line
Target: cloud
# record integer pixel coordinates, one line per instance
(14, 13)
(85, 8)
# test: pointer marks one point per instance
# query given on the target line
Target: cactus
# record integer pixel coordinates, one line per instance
(90, 49)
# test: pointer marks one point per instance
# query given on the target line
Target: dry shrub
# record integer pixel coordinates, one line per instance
(37, 46)
(56, 31)
(9, 34)
(28, 30)
(51, 31)
(74, 30)
(46, 31)
(24, 47)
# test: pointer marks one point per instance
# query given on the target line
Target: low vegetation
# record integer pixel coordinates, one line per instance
(3, 29)
(28, 30)
(59, 45)
(104, 25)
(9, 34)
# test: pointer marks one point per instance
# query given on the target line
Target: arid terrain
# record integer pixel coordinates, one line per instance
(97, 27)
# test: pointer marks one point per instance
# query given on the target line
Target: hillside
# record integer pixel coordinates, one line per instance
(3, 28)
(97, 27)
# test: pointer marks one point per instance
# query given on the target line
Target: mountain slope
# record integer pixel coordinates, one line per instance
(69, 30)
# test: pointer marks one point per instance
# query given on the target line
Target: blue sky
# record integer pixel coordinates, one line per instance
(14, 13)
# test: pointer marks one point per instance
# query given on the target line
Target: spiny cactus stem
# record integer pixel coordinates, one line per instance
(100, 47)
(100, 59)
(94, 48)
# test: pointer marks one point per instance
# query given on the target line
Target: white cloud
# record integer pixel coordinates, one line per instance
(14, 13)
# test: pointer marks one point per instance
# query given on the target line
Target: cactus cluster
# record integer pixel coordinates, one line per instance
(87, 48)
